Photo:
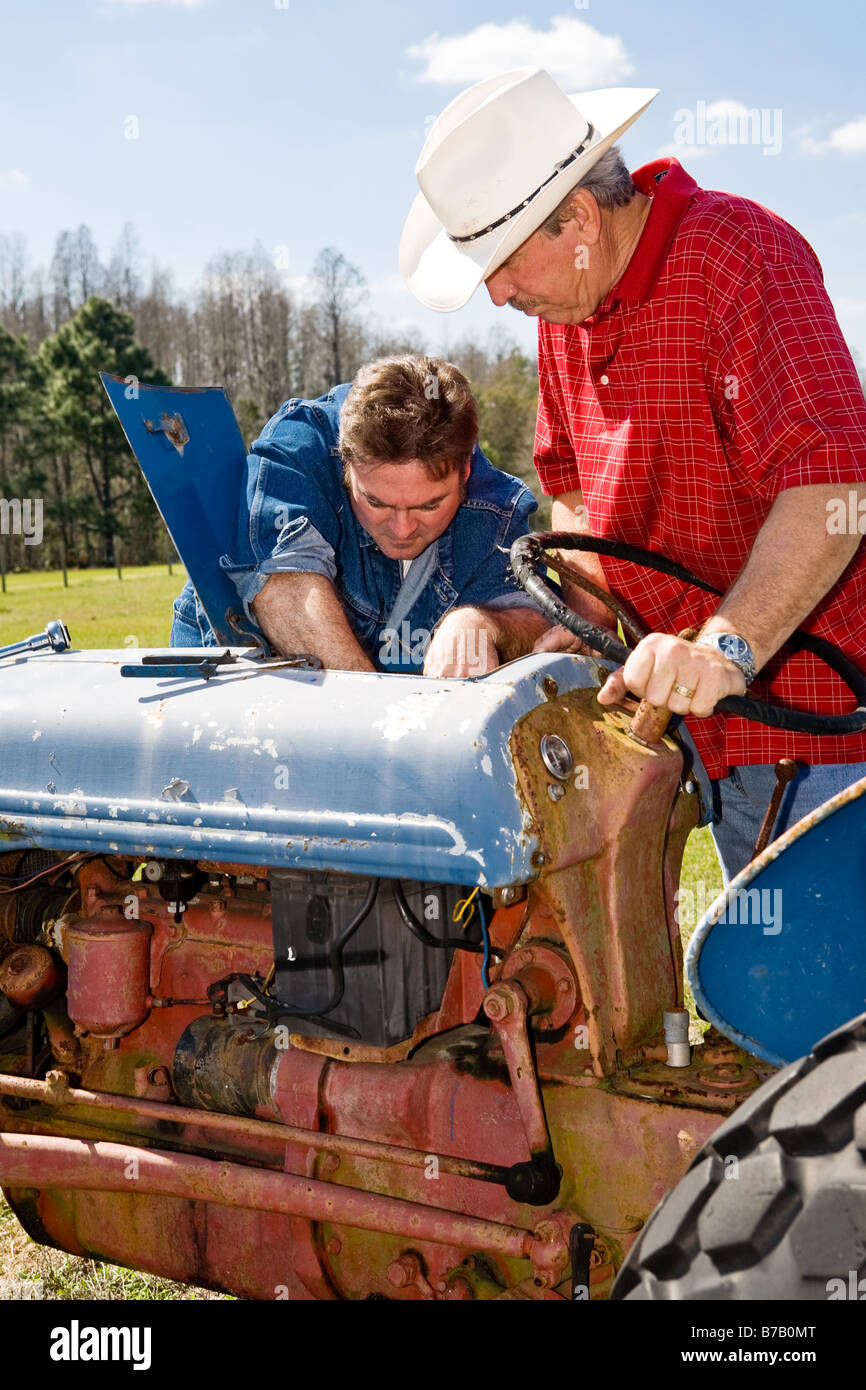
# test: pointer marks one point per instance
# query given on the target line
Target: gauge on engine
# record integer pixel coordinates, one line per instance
(556, 756)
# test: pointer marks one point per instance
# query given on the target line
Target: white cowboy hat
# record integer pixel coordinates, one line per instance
(496, 163)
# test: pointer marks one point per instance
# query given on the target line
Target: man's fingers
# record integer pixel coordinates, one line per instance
(558, 639)
(613, 690)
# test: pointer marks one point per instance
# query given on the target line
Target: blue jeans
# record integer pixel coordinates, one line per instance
(740, 803)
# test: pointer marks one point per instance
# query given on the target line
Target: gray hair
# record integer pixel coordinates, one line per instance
(610, 184)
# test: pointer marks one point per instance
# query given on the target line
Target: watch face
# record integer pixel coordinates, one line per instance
(734, 648)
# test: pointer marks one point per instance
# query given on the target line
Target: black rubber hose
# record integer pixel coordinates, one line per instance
(417, 928)
(335, 958)
(528, 552)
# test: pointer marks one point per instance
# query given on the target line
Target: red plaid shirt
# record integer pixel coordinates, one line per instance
(712, 376)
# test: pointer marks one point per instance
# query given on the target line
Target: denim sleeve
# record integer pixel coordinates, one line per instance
(288, 517)
(300, 548)
(493, 585)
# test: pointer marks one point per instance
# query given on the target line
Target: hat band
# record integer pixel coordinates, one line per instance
(563, 164)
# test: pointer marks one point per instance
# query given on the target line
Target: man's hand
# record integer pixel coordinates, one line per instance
(660, 662)
(472, 641)
(463, 645)
(559, 639)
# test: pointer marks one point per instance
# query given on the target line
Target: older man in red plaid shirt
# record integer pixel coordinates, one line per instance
(696, 398)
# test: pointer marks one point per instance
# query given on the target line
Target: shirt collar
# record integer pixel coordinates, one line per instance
(671, 189)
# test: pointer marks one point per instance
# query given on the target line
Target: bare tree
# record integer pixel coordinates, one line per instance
(340, 288)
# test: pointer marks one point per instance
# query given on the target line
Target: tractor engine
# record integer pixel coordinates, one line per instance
(308, 1076)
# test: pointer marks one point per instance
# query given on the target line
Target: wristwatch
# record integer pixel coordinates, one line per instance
(735, 649)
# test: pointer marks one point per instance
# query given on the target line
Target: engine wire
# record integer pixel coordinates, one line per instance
(81, 856)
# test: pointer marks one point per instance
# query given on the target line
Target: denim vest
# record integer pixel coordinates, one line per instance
(296, 516)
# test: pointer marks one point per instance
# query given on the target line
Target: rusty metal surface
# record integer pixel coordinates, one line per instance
(603, 882)
(109, 970)
(30, 1160)
(56, 1091)
(29, 977)
(447, 1097)
(506, 1005)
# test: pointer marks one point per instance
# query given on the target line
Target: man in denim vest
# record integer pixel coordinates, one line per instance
(374, 533)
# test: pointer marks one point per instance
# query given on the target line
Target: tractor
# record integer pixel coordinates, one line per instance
(322, 985)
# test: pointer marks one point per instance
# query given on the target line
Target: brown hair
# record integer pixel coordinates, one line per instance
(409, 407)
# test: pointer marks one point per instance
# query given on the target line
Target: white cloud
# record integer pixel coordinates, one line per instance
(575, 54)
(847, 308)
(849, 138)
(11, 179)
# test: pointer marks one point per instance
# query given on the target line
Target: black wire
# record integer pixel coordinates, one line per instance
(528, 551)
(417, 928)
(335, 959)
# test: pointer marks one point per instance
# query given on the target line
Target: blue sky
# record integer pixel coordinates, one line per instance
(298, 124)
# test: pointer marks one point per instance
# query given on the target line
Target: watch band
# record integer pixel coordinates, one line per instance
(733, 648)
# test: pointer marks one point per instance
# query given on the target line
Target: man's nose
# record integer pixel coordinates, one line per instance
(403, 525)
(498, 287)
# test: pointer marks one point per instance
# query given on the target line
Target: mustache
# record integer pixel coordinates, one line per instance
(523, 304)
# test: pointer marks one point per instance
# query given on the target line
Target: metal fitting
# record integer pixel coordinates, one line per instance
(677, 1038)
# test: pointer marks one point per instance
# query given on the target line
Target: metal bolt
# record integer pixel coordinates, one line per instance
(497, 1005)
(404, 1271)
(331, 1162)
(538, 859)
(550, 688)
(334, 1246)
(555, 790)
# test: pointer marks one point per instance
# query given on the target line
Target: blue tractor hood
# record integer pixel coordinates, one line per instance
(399, 776)
(190, 450)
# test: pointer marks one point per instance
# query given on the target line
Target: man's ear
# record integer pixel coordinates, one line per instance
(586, 216)
(464, 478)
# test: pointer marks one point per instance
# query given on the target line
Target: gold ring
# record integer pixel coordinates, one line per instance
(684, 691)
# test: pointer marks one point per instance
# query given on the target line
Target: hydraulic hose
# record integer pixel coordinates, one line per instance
(528, 552)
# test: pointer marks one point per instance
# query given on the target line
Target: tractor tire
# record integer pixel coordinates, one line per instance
(774, 1205)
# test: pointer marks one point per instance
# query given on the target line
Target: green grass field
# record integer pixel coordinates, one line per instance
(99, 609)
(102, 611)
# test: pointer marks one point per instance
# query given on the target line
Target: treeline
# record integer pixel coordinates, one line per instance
(241, 326)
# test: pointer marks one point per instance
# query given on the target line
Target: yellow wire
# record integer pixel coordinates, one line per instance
(462, 907)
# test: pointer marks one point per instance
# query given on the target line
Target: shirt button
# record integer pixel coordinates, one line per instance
(604, 380)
